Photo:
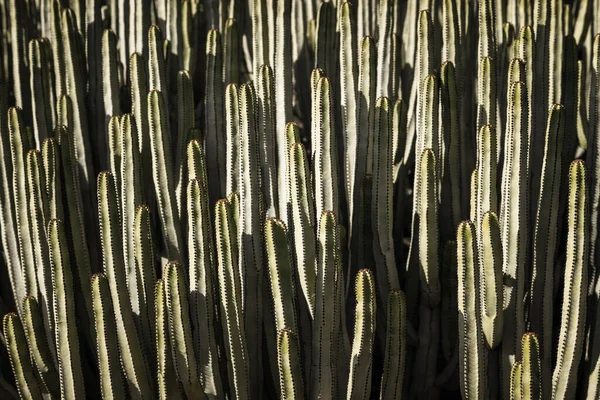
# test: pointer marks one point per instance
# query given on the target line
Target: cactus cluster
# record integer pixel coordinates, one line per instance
(300, 199)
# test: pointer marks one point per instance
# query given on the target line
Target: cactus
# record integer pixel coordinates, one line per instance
(382, 195)
(131, 191)
(531, 382)
(348, 100)
(594, 381)
(303, 222)
(145, 275)
(486, 194)
(323, 375)
(249, 226)
(280, 170)
(490, 273)
(115, 146)
(185, 126)
(513, 223)
(232, 118)
(325, 152)
(67, 342)
(168, 387)
(576, 276)
(20, 145)
(75, 90)
(266, 131)
(280, 275)
(38, 211)
(516, 389)
(110, 80)
(139, 107)
(214, 114)
(42, 93)
(469, 323)
(428, 236)
(282, 65)
(111, 381)
(544, 246)
(74, 203)
(180, 330)
(231, 306)
(450, 136)
(395, 348)
(163, 174)
(290, 366)
(359, 383)
(449, 302)
(19, 357)
(202, 286)
(231, 52)
(134, 364)
(42, 353)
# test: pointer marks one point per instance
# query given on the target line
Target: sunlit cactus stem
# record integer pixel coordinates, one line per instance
(471, 362)
(364, 334)
(573, 313)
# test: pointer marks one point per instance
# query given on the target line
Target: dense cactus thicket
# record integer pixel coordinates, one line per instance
(300, 199)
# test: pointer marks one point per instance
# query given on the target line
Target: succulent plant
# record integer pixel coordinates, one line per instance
(299, 199)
